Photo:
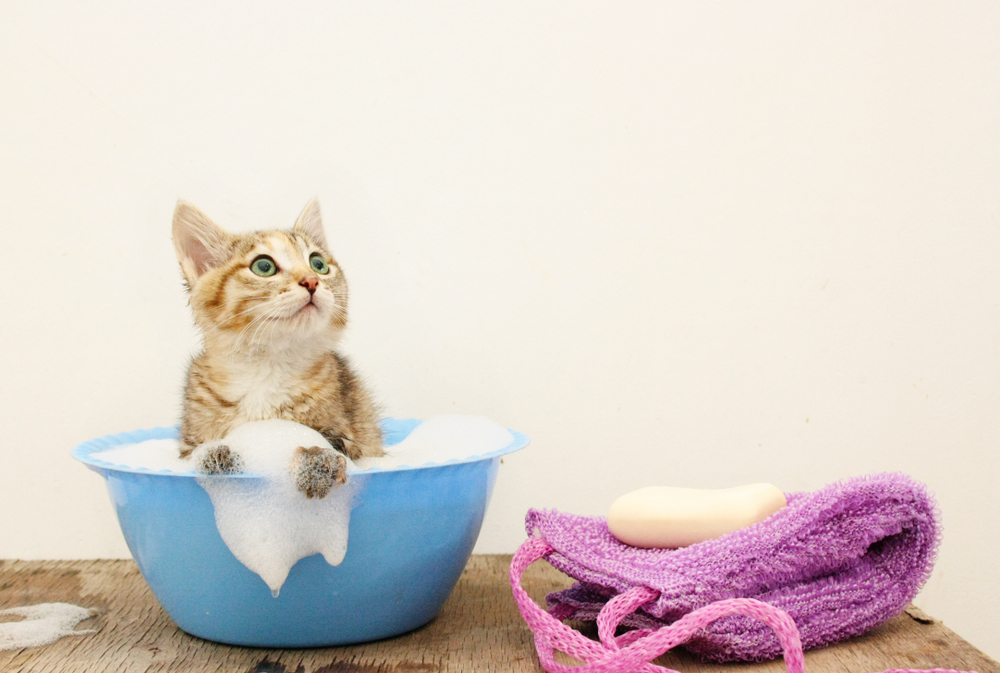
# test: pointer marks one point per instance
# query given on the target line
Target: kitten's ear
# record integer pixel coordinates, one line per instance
(310, 223)
(201, 244)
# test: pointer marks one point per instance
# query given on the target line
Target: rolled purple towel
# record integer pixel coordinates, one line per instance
(840, 561)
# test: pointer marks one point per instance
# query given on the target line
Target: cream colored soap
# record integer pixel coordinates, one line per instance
(666, 517)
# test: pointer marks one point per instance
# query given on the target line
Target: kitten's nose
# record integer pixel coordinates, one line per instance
(310, 283)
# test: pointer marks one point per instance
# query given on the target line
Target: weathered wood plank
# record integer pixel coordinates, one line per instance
(479, 629)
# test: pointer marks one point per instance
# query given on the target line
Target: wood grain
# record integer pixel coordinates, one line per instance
(479, 629)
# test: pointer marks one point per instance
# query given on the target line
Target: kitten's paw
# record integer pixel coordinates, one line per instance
(219, 459)
(317, 469)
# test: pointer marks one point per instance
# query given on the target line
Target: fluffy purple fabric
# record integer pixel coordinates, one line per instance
(840, 561)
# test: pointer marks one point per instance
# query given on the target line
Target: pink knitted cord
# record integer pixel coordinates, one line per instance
(617, 609)
(635, 650)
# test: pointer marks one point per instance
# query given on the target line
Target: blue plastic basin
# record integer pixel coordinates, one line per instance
(410, 537)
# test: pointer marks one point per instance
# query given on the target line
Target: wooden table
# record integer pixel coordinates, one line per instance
(479, 629)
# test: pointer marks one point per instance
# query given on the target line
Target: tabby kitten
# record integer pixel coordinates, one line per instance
(271, 306)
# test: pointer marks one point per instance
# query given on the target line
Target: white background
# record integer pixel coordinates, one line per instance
(695, 244)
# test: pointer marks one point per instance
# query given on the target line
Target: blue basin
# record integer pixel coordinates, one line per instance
(410, 537)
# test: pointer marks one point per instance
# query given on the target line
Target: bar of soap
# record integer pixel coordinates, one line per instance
(665, 517)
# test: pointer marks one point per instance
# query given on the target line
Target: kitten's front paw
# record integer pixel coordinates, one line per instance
(219, 459)
(316, 470)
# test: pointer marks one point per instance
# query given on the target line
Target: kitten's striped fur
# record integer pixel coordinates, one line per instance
(269, 343)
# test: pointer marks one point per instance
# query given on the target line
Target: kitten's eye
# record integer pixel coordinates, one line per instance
(264, 266)
(319, 264)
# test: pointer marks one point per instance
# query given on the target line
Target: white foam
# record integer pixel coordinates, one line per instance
(42, 624)
(153, 454)
(443, 438)
(269, 525)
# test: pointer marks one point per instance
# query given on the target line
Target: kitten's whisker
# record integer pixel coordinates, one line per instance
(251, 347)
(247, 327)
(273, 331)
(270, 345)
(252, 308)
(243, 332)
(271, 314)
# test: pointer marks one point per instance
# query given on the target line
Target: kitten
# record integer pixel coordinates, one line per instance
(271, 306)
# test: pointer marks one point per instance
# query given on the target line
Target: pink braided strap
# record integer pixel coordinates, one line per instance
(635, 650)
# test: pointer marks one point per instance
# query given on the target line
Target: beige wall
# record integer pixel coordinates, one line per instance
(682, 243)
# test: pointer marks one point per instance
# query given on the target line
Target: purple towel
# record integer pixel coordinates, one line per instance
(840, 561)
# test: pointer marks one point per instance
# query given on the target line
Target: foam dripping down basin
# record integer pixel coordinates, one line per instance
(411, 532)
